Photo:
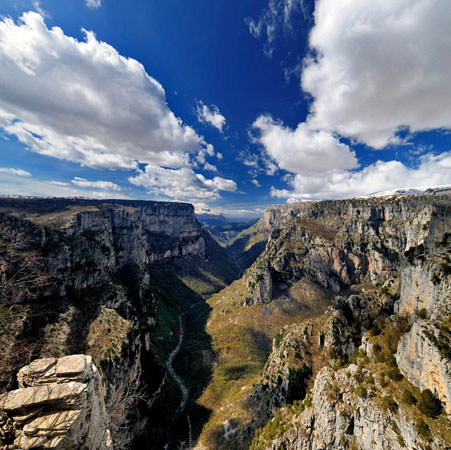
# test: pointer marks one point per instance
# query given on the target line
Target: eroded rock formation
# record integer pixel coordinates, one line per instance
(59, 405)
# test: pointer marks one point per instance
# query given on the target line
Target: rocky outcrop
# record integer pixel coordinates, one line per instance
(338, 415)
(113, 291)
(426, 285)
(423, 356)
(340, 243)
(59, 405)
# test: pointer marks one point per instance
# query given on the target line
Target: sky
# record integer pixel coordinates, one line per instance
(230, 105)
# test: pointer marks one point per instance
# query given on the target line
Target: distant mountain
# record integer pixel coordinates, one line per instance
(411, 191)
(212, 219)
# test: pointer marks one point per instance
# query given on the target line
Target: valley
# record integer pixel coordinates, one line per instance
(321, 325)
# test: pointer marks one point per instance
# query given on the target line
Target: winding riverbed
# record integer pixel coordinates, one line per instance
(178, 380)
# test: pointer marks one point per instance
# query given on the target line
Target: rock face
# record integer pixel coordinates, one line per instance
(340, 243)
(421, 359)
(335, 417)
(59, 405)
(389, 261)
(114, 291)
(423, 353)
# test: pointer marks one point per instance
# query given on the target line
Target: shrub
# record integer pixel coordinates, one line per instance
(422, 313)
(377, 348)
(361, 391)
(408, 397)
(429, 404)
(390, 404)
(358, 376)
(423, 429)
(375, 330)
(278, 338)
(395, 374)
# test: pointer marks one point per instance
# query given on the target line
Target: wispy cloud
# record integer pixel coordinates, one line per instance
(82, 182)
(93, 4)
(18, 172)
(276, 17)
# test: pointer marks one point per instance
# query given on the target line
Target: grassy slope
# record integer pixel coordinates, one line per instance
(208, 276)
(241, 339)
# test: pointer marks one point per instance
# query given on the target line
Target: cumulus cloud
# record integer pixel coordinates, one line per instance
(432, 170)
(302, 150)
(84, 102)
(93, 4)
(181, 184)
(82, 182)
(210, 115)
(19, 172)
(378, 67)
(210, 167)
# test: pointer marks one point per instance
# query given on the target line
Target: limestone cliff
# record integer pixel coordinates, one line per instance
(340, 412)
(340, 243)
(59, 405)
(423, 353)
(115, 289)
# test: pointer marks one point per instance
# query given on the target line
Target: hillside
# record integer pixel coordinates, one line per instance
(337, 334)
(333, 275)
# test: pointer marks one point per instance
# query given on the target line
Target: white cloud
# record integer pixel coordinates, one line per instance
(302, 150)
(255, 182)
(211, 115)
(13, 185)
(58, 183)
(379, 66)
(93, 4)
(181, 184)
(84, 102)
(210, 167)
(244, 212)
(82, 182)
(275, 17)
(433, 170)
(37, 6)
(19, 172)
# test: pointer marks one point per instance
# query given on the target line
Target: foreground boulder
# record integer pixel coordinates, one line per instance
(59, 405)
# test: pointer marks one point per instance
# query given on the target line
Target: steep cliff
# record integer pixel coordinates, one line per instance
(331, 379)
(424, 354)
(341, 243)
(59, 405)
(114, 289)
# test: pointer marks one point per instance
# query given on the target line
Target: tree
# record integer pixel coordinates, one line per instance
(429, 404)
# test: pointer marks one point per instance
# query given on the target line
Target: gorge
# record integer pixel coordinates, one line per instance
(324, 325)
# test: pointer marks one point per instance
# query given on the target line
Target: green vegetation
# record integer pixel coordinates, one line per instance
(423, 429)
(361, 391)
(395, 374)
(408, 397)
(429, 404)
(390, 404)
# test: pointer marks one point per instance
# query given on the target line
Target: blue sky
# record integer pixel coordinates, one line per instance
(228, 105)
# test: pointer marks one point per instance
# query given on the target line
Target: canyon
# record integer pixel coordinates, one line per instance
(323, 325)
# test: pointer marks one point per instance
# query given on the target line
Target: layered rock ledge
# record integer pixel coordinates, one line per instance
(59, 405)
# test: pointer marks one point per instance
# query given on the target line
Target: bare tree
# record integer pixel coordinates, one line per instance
(22, 277)
(120, 400)
(22, 269)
